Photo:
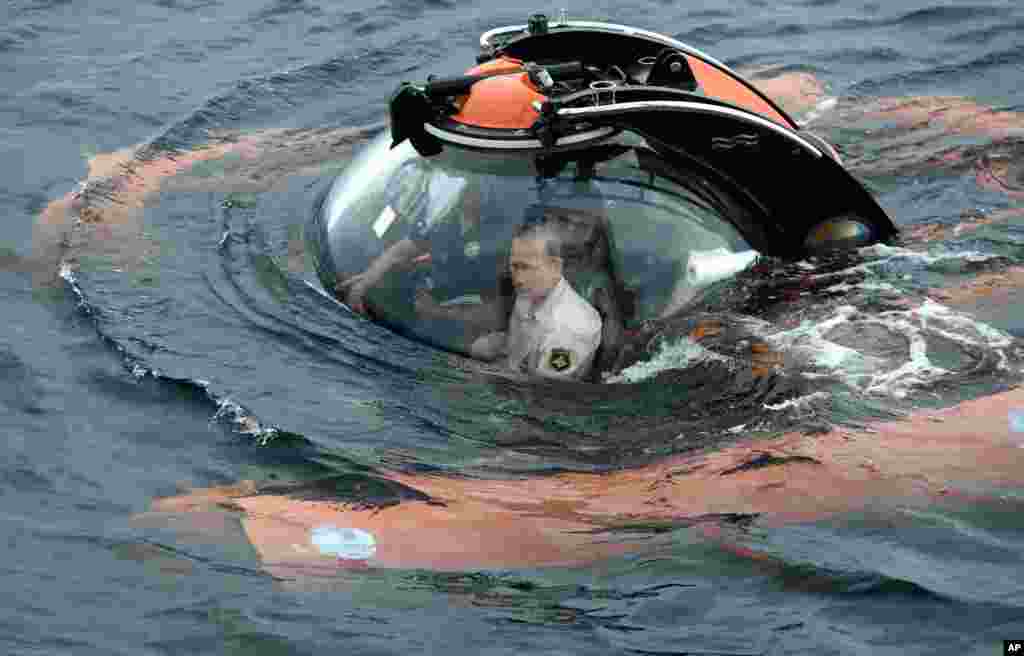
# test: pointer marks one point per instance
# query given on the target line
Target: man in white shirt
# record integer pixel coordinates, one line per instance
(553, 332)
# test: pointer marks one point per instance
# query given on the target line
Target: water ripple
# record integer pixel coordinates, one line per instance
(279, 9)
(186, 5)
(19, 387)
(985, 35)
(874, 54)
(951, 15)
(945, 72)
(718, 32)
(26, 479)
(256, 98)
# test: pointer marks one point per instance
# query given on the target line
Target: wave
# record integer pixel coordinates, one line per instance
(256, 99)
(413, 9)
(278, 9)
(951, 15)
(894, 555)
(222, 406)
(25, 479)
(718, 32)
(20, 390)
(875, 54)
(40, 6)
(985, 35)
(186, 5)
(10, 43)
(944, 73)
(705, 14)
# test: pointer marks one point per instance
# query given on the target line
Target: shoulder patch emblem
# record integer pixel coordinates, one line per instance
(561, 359)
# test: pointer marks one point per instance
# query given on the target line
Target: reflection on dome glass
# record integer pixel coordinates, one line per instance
(422, 245)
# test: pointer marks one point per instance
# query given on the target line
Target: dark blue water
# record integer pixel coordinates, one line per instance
(188, 350)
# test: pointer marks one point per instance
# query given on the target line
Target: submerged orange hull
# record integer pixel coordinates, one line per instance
(562, 520)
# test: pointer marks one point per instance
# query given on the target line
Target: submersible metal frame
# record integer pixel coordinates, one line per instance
(545, 88)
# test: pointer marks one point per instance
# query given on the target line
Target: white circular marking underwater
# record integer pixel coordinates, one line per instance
(347, 543)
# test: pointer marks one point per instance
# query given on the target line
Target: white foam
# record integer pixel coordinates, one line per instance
(67, 273)
(797, 402)
(926, 258)
(874, 375)
(877, 376)
(806, 342)
(680, 354)
(243, 421)
(866, 373)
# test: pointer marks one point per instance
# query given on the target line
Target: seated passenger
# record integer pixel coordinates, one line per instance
(445, 222)
(589, 264)
(552, 331)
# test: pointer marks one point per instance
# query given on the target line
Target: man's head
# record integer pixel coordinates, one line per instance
(536, 263)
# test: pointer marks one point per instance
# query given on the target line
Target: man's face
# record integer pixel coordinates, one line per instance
(534, 272)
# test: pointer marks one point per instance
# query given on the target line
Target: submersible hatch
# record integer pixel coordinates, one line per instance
(667, 168)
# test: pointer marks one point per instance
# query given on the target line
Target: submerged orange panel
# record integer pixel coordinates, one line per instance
(503, 101)
(717, 84)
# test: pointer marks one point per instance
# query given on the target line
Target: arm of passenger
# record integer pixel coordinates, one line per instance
(488, 316)
(354, 288)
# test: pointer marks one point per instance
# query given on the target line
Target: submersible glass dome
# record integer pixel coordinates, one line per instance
(629, 220)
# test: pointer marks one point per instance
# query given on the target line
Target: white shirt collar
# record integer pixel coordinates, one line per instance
(546, 307)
